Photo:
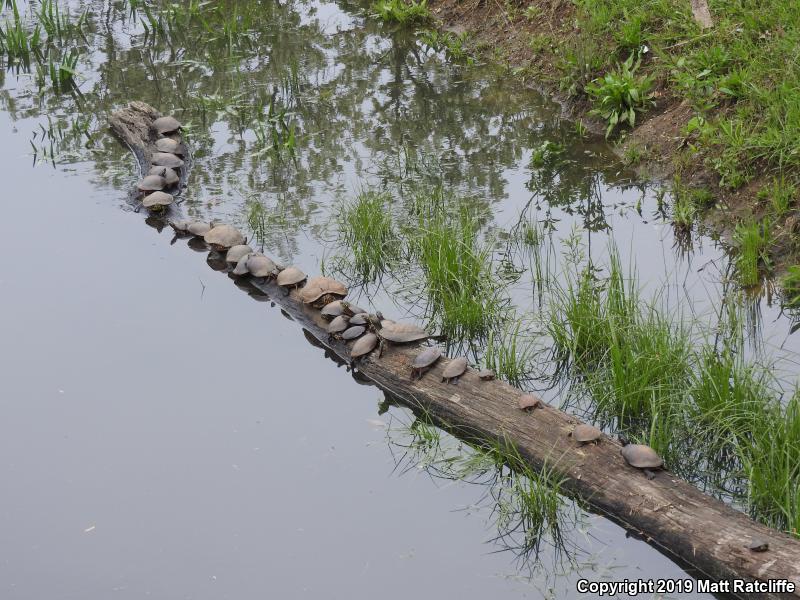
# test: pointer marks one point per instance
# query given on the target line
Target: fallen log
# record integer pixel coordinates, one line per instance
(671, 514)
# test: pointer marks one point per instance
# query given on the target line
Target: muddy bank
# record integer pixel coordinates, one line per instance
(542, 45)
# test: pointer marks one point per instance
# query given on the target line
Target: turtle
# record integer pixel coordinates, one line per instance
(351, 309)
(397, 333)
(259, 265)
(165, 159)
(180, 227)
(454, 369)
(758, 545)
(170, 146)
(486, 374)
(291, 277)
(642, 457)
(157, 201)
(363, 346)
(424, 361)
(151, 183)
(222, 237)
(198, 228)
(585, 434)
(322, 290)
(360, 319)
(352, 333)
(169, 175)
(166, 124)
(241, 266)
(338, 325)
(332, 309)
(529, 402)
(235, 253)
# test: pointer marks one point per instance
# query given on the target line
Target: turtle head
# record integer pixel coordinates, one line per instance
(375, 320)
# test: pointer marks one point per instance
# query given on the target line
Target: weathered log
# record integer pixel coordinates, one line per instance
(692, 527)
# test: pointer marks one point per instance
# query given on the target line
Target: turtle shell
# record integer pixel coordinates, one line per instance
(641, 456)
(241, 266)
(180, 226)
(169, 145)
(402, 333)
(353, 332)
(486, 374)
(339, 324)
(261, 266)
(426, 358)
(351, 309)
(529, 401)
(223, 237)
(169, 175)
(291, 276)
(455, 368)
(198, 228)
(584, 433)
(332, 309)
(157, 200)
(151, 183)
(364, 345)
(165, 159)
(166, 124)
(359, 319)
(317, 287)
(235, 253)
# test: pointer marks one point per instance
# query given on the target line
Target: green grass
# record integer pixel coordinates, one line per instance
(402, 12)
(510, 354)
(752, 240)
(368, 235)
(464, 293)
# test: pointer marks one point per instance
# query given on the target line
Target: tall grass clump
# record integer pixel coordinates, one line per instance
(16, 42)
(465, 295)
(367, 232)
(509, 353)
(752, 240)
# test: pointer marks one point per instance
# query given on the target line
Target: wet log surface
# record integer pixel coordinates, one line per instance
(675, 517)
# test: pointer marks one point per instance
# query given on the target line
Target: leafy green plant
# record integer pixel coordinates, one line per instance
(399, 11)
(620, 94)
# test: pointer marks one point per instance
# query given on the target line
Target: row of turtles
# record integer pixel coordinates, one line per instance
(366, 331)
(167, 156)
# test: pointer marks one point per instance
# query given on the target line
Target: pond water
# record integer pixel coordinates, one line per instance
(166, 435)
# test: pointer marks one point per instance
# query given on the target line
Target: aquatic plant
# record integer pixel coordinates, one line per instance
(752, 239)
(367, 233)
(620, 94)
(509, 352)
(400, 11)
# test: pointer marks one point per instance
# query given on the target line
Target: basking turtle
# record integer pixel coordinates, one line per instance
(363, 346)
(165, 159)
(198, 228)
(758, 545)
(360, 319)
(332, 309)
(259, 265)
(529, 402)
(180, 227)
(235, 253)
(424, 361)
(486, 374)
(291, 277)
(397, 333)
(169, 175)
(241, 266)
(320, 291)
(353, 332)
(157, 201)
(454, 369)
(167, 124)
(338, 325)
(151, 183)
(170, 146)
(585, 434)
(641, 457)
(222, 237)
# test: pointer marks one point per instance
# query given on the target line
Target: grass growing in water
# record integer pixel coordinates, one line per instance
(752, 239)
(367, 232)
